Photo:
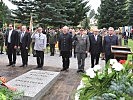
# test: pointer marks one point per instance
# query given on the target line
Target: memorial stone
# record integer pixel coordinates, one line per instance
(34, 83)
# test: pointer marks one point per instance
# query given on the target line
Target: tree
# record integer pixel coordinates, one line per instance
(51, 12)
(121, 10)
(112, 13)
(4, 14)
(92, 13)
(80, 11)
(23, 12)
(130, 12)
(85, 23)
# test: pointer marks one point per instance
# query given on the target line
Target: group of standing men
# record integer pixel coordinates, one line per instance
(22, 40)
(84, 43)
(93, 44)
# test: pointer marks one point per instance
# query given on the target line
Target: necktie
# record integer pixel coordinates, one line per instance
(110, 37)
(96, 37)
(22, 35)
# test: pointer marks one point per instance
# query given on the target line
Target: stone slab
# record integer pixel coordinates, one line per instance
(34, 83)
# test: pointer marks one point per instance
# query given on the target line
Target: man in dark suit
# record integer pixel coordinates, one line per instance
(24, 46)
(65, 46)
(126, 36)
(95, 47)
(109, 40)
(11, 43)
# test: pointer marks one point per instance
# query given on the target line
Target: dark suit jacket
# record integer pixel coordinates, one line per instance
(65, 42)
(25, 40)
(95, 46)
(14, 38)
(108, 42)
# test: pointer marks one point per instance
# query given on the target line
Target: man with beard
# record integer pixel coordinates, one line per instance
(11, 43)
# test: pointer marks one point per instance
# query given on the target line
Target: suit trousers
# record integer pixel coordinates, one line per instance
(108, 57)
(24, 55)
(81, 60)
(65, 59)
(40, 58)
(11, 52)
(52, 49)
(1, 45)
(94, 59)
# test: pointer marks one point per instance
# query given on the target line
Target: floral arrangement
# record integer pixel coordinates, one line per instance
(8, 92)
(113, 82)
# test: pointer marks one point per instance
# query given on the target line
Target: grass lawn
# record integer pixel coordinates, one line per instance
(130, 44)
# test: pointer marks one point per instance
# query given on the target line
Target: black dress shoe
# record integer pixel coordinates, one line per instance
(82, 71)
(21, 66)
(78, 71)
(13, 65)
(39, 67)
(62, 69)
(34, 55)
(1, 53)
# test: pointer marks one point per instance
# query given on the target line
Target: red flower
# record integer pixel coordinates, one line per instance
(122, 61)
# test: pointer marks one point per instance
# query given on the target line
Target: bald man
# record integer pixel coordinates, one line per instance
(109, 40)
(65, 47)
(24, 45)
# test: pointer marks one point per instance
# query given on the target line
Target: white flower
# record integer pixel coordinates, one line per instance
(90, 72)
(96, 68)
(113, 61)
(109, 70)
(78, 88)
(81, 85)
(117, 67)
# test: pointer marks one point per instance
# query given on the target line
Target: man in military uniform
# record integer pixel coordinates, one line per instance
(52, 41)
(1, 41)
(82, 48)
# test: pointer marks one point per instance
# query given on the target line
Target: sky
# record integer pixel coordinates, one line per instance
(94, 4)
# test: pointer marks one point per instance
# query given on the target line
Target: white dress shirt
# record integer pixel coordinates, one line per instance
(95, 37)
(40, 41)
(9, 36)
(126, 33)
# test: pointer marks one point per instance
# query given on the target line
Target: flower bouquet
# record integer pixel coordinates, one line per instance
(113, 82)
(8, 92)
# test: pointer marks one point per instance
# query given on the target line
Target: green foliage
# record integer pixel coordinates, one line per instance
(130, 13)
(108, 84)
(23, 12)
(112, 13)
(92, 13)
(6, 94)
(51, 12)
(4, 14)
(85, 23)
